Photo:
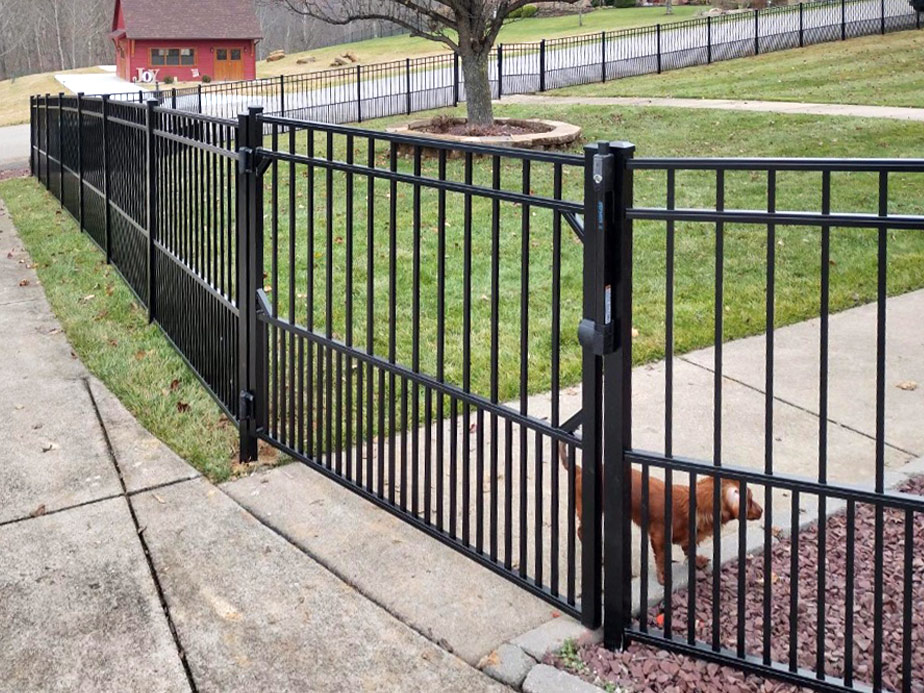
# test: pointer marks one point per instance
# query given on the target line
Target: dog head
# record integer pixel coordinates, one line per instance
(731, 503)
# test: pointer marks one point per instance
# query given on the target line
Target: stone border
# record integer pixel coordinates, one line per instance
(561, 135)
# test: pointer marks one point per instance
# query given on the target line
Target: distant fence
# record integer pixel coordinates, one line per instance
(361, 92)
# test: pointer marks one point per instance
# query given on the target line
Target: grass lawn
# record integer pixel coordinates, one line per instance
(111, 335)
(875, 70)
(655, 132)
(15, 93)
(405, 46)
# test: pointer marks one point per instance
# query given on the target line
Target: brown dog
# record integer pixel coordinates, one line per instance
(680, 517)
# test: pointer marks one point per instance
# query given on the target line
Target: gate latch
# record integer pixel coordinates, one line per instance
(600, 339)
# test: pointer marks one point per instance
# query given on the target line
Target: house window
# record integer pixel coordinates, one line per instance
(173, 56)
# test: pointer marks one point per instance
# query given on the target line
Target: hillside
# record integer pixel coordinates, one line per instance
(15, 93)
(404, 46)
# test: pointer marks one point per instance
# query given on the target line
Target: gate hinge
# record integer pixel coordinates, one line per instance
(245, 160)
(246, 409)
(600, 339)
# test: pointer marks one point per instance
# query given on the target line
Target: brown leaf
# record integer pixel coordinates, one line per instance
(140, 354)
(24, 282)
(182, 407)
(38, 512)
(174, 384)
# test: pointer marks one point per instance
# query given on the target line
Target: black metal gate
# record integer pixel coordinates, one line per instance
(415, 311)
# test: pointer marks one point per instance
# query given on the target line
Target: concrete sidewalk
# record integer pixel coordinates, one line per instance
(825, 109)
(122, 569)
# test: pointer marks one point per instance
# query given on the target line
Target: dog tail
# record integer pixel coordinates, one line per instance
(563, 455)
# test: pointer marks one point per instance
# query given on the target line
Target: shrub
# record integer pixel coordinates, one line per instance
(170, 79)
(525, 12)
(623, 3)
(206, 79)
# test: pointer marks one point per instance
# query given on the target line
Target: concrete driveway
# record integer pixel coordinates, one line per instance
(14, 147)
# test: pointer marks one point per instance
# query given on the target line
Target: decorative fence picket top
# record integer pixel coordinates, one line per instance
(363, 92)
(405, 316)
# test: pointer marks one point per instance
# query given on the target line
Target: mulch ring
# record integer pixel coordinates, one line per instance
(13, 173)
(645, 668)
(458, 126)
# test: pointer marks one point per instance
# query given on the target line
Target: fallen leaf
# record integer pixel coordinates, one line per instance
(24, 282)
(49, 446)
(908, 385)
(182, 407)
(634, 333)
(38, 512)
(659, 620)
(159, 499)
(139, 354)
(174, 384)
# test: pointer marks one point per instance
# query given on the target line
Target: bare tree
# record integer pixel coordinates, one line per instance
(467, 27)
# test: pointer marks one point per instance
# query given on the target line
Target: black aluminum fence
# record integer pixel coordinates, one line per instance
(817, 610)
(407, 317)
(361, 92)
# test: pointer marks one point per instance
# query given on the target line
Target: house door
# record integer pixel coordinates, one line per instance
(229, 64)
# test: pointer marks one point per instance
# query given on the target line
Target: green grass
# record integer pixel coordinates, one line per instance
(111, 335)
(534, 29)
(655, 132)
(874, 70)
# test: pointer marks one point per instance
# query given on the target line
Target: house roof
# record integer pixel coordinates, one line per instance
(190, 19)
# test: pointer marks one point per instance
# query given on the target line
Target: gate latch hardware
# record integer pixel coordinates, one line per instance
(600, 339)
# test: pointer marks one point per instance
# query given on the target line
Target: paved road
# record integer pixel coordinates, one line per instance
(14, 147)
(857, 111)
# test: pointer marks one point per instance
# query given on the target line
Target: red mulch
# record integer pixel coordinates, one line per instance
(644, 668)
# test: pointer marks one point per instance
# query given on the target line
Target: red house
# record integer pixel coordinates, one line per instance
(185, 39)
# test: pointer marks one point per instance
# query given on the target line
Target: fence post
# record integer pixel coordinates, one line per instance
(455, 79)
(801, 33)
(32, 135)
(882, 15)
(151, 203)
(709, 38)
(249, 275)
(80, 160)
(658, 44)
(199, 97)
(542, 65)
(500, 70)
(617, 400)
(140, 96)
(407, 72)
(61, 148)
(359, 94)
(756, 32)
(605, 335)
(602, 56)
(843, 20)
(47, 145)
(282, 95)
(107, 214)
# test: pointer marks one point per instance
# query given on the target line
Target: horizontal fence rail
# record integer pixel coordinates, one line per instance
(360, 92)
(409, 318)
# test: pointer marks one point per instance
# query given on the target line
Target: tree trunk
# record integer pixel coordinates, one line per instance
(477, 89)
